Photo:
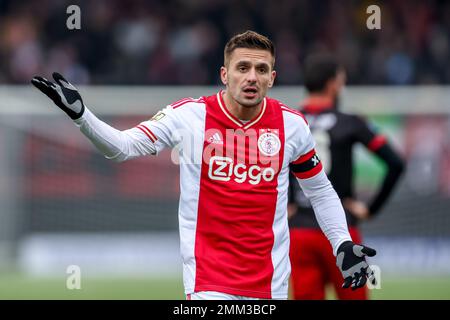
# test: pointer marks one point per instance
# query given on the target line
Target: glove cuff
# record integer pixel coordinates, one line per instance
(345, 245)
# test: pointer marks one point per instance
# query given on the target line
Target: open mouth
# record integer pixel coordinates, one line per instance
(250, 92)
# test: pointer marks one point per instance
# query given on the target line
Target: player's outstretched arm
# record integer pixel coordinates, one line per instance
(114, 144)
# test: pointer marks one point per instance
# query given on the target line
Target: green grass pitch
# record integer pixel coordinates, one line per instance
(15, 286)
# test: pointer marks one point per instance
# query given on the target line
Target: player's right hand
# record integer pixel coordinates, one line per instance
(63, 94)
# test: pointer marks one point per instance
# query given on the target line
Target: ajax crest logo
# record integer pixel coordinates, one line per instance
(268, 143)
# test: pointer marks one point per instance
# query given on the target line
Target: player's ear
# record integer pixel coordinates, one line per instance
(223, 75)
(272, 78)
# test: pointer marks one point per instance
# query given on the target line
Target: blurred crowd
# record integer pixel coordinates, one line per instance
(181, 42)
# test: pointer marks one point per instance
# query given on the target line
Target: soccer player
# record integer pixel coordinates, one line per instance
(336, 133)
(235, 150)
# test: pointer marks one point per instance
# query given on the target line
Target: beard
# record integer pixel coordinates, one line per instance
(249, 103)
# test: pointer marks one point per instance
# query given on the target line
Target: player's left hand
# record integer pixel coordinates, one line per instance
(352, 263)
(292, 210)
(357, 208)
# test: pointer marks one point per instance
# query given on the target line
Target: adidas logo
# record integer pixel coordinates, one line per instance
(215, 138)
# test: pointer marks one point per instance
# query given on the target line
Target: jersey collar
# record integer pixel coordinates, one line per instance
(316, 105)
(235, 120)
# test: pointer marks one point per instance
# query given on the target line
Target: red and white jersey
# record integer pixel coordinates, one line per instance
(234, 180)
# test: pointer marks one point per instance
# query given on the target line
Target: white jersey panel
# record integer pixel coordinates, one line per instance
(280, 250)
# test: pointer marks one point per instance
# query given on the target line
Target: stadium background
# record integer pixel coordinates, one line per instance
(62, 203)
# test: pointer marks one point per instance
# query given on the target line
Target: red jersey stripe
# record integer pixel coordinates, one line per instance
(376, 143)
(148, 132)
(237, 203)
(298, 113)
(186, 100)
(309, 174)
(305, 157)
(181, 101)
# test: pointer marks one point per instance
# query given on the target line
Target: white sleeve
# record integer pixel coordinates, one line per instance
(327, 207)
(123, 145)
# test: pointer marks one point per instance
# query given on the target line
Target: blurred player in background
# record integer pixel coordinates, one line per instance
(236, 150)
(335, 133)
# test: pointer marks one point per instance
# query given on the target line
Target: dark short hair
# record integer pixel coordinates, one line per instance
(318, 70)
(251, 40)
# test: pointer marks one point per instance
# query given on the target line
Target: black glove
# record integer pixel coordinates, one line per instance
(351, 261)
(63, 94)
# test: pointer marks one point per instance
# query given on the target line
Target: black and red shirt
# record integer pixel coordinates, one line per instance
(335, 134)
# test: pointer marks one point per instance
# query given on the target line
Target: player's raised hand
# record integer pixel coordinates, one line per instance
(352, 262)
(63, 94)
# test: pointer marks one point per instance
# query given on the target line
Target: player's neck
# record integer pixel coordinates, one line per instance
(239, 111)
